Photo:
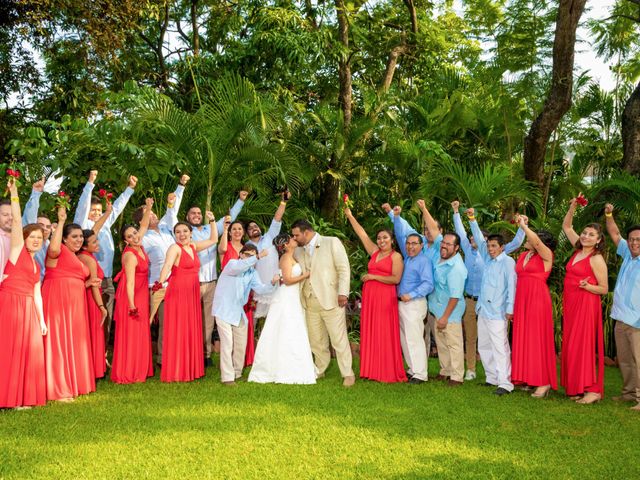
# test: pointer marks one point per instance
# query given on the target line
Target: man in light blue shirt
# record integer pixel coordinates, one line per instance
(475, 267)
(208, 273)
(495, 309)
(416, 283)
(156, 242)
(236, 281)
(626, 308)
(30, 215)
(88, 211)
(446, 303)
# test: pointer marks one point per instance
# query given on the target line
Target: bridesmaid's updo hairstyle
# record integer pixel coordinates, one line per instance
(548, 239)
(188, 225)
(29, 229)
(600, 246)
(68, 228)
(280, 242)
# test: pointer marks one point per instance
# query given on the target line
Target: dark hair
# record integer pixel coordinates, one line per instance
(248, 246)
(124, 230)
(548, 239)
(194, 206)
(138, 213)
(600, 246)
(632, 228)
(239, 222)
(32, 227)
(390, 233)
(302, 225)
(415, 235)
(95, 200)
(87, 233)
(280, 242)
(455, 235)
(68, 228)
(186, 224)
(497, 237)
(5, 201)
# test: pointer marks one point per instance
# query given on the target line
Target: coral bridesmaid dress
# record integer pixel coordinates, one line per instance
(22, 368)
(582, 334)
(95, 327)
(533, 353)
(249, 308)
(380, 351)
(132, 354)
(69, 358)
(182, 351)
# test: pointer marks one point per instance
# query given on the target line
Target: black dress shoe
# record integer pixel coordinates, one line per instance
(409, 376)
(501, 391)
(486, 384)
(415, 381)
(208, 362)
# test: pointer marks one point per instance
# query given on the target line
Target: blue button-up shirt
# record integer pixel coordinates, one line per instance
(268, 266)
(156, 243)
(208, 257)
(626, 295)
(237, 279)
(30, 215)
(449, 278)
(417, 276)
(107, 248)
(472, 258)
(402, 229)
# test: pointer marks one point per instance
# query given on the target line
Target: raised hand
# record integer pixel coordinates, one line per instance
(62, 216)
(455, 205)
(108, 208)
(471, 212)
(148, 203)
(397, 210)
(39, 185)
(12, 187)
(93, 174)
(227, 222)
(184, 179)
(608, 208)
(386, 207)
(243, 195)
(347, 212)
(210, 216)
(133, 181)
(171, 200)
(421, 204)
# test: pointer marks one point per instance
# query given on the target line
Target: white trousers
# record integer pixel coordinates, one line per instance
(233, 345)
(495, 354)
(412, 315)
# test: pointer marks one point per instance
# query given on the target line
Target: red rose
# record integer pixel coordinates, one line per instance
(61, 193)
(345, 198)
(102, 193)
(109, 196)
(16, 174)
(580, 200)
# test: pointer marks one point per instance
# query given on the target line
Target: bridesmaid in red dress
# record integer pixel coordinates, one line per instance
(22, 368)
(132, 354)
(96, 310)
(582, 373)
(182, 351)
(533, 356)
(380, 352)
(68, 352)
(229, 249)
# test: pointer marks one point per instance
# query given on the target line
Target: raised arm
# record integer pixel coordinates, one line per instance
(17, 242)
(459, 228)
(516, 242)
(281, 208)
(223, 243)
(121, 201)
(612, 228)
(477, 233)
(213, 236)
(146, 216)
(541, 249)
(84, 203)
(400, 232)
(234, 211)
(368, 245)
(430, 222)
(567, 223)
(102, 220)
(55, 242)
(30, 214)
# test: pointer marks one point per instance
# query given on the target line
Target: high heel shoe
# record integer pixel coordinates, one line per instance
(590, 398)
(542, 392)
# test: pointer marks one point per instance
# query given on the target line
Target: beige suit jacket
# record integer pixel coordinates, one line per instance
(330, 271)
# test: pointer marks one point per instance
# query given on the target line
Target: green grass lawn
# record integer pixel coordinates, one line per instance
(206, 430)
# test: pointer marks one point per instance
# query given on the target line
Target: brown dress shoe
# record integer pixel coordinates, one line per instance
(230, 384)
(349, 381)
(454, 383)
(442, 378)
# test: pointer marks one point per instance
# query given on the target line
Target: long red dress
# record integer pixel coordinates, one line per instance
(380, 352)
(582, 332)
(132, 354)
(22, 367)
(69, 359)
(533, 352)
(182, 350)
(249, 308)
(95, 327)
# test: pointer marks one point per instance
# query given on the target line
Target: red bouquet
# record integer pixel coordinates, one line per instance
(63, 200)
(346, 201)
(582, 201)
(16, 176)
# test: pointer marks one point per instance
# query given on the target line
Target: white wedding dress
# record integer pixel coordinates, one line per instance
(283, 354)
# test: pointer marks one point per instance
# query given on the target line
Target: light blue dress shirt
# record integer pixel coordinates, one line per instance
(156, 243)
(107, 248)
(417, 276)
(208, 257)
(268, 266)
(236, 281)
(473, 260)
(30, 215)
(449, 277)
(626, 295)
(402, 229)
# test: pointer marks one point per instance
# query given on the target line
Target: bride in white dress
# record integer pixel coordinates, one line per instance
(283, 354)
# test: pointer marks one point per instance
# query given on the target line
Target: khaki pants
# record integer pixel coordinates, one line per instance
(233, 344)
(326, 326)
(108, 298)
(207, 289)
(628, 347)
(470, 324)
(157, 305)
(412, 336)
(450, 351)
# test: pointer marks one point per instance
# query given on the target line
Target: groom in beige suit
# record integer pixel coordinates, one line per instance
(324, 295)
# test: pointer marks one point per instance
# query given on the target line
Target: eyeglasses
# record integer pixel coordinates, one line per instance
(448, 244)
(413, 243)
(634, 240)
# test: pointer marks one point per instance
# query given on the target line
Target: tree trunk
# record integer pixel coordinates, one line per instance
(631, 133)
(330, 198)
(194, 28)
(558, 99)
(344, 64)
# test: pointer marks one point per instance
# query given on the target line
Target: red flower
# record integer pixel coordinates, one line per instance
(580, 200)
(61, 193)
(13, 173)
(102, 193)
(9, 172)
(109, 196)
(345, 198)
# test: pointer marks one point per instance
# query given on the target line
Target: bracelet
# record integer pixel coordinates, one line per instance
(282, 202)
(15, 199)
(608, 214)
(471, 217)
(100, 306)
